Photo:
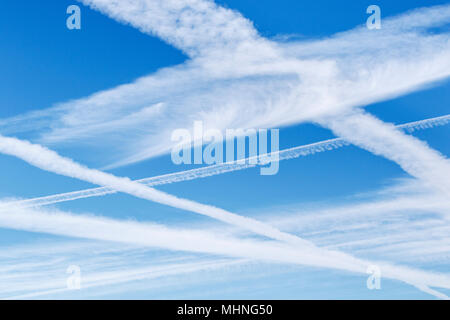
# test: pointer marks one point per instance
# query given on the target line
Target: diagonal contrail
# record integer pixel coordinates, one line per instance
(177, 35)
(209, 242)
(413, 155)
(217, 169)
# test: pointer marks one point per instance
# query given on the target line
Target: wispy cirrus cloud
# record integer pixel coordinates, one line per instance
(234, 69)
(199, 241)
(38, 270)
(276, 83)
(400, 223)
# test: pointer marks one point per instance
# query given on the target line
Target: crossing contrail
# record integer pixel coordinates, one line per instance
(148, 234)
(217, 169)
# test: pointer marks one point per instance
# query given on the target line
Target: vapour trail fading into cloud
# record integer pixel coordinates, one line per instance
(122, 275)
(414, 156)
(130, 232)
(403, 229)
(39, 269)
(49, 160)
(400, 74)
(217, 169)
(278, 83)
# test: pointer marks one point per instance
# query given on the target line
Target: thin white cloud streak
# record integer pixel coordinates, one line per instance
(148, 234)
(286, 83)
(410, 25)
(401, 74)
(391, 86)
(41, 157)
(404, 223)
(386, 227)
(102, 279)
(405, 229)
(383, 229)
(49, 160)
(412, 155)
(435, 293)
(208, 171)
(104, 229)
(409, 197)
(29, 271)
(401, 233)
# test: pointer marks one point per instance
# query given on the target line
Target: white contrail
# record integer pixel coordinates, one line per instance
(199, 241)
(413, 155)
(294, 83)
(194, 26)
(49, 160)
(71, 169)
(98, 279)
(217, 169)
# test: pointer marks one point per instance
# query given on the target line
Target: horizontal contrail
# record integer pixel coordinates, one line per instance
(217, 169)
(208, 242)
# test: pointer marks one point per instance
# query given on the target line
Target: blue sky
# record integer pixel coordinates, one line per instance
(383, 202)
